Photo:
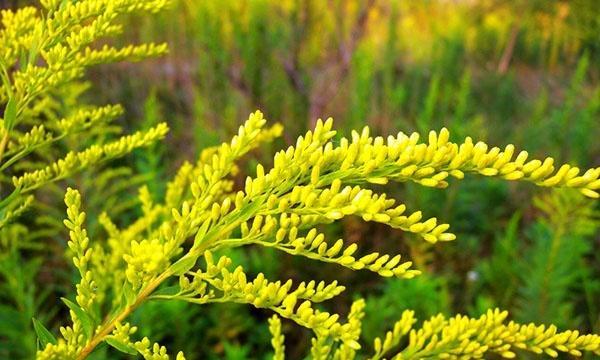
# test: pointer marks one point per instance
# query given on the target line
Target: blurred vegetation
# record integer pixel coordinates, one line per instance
(524, 72)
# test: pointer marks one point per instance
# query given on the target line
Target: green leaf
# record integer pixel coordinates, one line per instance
(45, 337)
(249, 210)
(126, 298)
(33, 51)
(121, 346)
(201, 233)
(128, 293)
(167, 291)
(86, 320)
(5, 78)
(10, 114)
(9, 198)
(183, 265)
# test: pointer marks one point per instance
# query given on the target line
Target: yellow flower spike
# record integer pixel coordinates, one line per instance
(316, 182)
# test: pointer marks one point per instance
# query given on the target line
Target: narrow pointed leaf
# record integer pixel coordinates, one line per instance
(45, 337)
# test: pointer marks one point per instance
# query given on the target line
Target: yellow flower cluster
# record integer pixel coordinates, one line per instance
(219, 284)
(355, 317)
(39, 136)
(314, 246)
(462, 337)
(120, 340)
(277, 338)
(76, 161)
(44, 53)
(146, 260)
(314, 182)
(79, 244)
(154, 351)
(404, 158)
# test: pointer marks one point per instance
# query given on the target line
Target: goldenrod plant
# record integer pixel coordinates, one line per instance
(174, 250)
(47, 134)
(45, 53)
(171, 252)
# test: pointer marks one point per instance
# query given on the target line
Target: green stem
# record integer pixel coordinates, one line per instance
(109, 325)
(3, 144)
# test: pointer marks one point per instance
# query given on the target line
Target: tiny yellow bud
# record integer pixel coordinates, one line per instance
(590, 193)
(443, 137)
(515, 175)
(280, 235)
(215, 212)
(489, 172)
(334, 215)
(447, 237)
(368, 259)
(335, 249)
(239, 199)
(429, 182)
(350, 250)
(314, 174)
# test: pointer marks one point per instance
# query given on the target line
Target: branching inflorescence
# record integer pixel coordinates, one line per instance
(45, 53)
(170, 252)
(314, 182)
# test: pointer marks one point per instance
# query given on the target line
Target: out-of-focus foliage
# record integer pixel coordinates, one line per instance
(409, 65)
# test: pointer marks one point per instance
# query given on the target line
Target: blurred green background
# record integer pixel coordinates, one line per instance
(521, 72)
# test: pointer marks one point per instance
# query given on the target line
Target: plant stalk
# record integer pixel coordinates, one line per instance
(109, 326)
